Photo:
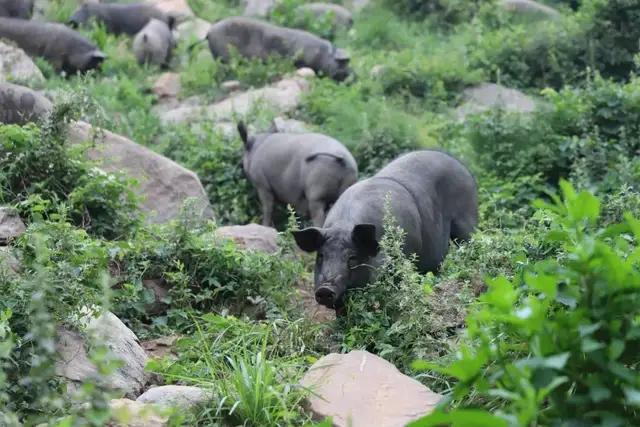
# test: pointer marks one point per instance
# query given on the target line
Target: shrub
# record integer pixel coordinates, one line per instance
(441, 11)
(558, 345)
(285, 13)
(37, 163)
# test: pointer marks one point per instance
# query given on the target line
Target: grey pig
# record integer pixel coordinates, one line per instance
(154, 44)
(256, 39)
(65, 49)
(433, 198)
(120, 18)
(22, 9)
(20, 105)
(306, 170)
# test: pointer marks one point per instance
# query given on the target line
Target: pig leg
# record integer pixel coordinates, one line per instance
(317, 210)
(267, 201)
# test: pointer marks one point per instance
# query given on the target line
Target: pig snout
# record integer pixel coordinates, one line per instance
(329, 295)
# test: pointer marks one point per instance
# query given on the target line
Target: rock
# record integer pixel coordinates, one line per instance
(283, 96)
(341, 15)
(74, 365)
(164, 184)
(179, 9)
(357, 5)
(251, 237)
(490, 95)
(9, 264)
(160, 289)
(21, 105)
(167, 86)
(282, 125)
(529, 8)
(195, 29)
(161, 347)
(178, 396)
(305, 72)
(258, 8)
(16, 65)
(129, 413)
(11, 226)
(361, 389)
(377, 71)
(231, 86)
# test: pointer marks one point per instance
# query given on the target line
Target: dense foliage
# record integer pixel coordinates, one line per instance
(533, 321)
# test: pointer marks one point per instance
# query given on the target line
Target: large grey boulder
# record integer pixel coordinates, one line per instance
(178, 9)
(75, 367)
(176, 396)
(164, 184)
(16, 65)
(341, 15)
(282, 96)
(192, 29)
(360, 389)
(251, 236)
(258, 8)
(529, 8)
(488, 96)
(11, 226)
(20, 105)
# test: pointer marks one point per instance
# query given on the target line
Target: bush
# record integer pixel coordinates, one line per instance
(584, 132)
(38, 165)
(559, 344)
(448, 12)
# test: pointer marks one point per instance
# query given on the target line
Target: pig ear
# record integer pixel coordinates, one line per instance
(171, 22)
(364, 237)
(310, 239)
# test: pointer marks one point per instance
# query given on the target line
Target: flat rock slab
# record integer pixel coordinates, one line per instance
(75, 367)
(177, 396)
(179, 9)
(167, 86)
(15, 64)
(161, 347)
(360, 389)
(164, 184)
(494, 96)
(251, 236)
(195, 29)
(11, 226)
(283, 96)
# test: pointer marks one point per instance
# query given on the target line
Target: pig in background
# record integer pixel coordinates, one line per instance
(65, 49)
(22, 9)
(252, 38)
(309, 171)
(154, 44)
(433, 198)
(119, 18)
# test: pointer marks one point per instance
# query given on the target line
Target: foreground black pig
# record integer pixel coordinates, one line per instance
(120, 18)
(22, 9)
(20, 105)
(65, 49)
(154, 44)
(306, 170)
(433, 198)
(256, 39)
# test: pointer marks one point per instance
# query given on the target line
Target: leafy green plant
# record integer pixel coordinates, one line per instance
(558, 344)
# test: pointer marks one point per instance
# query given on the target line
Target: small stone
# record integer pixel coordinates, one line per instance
(177, 396)
(305, 72)
(161, 347)
(377, 71)
(360, 389)
(251, 237)
(282, 125)
(9, 264)
(231, 86)
(11, 226)
(167, 86)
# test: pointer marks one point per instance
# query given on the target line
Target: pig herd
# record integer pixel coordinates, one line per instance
(432, 196)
